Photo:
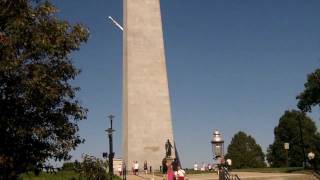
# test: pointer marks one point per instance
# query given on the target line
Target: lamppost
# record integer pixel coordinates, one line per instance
(218, 152)
(217, 146)
(111, 153)
(286, 148)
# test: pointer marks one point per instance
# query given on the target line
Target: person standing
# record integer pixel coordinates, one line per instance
(145, 167)
(203, 167)
(170, 173)
(195, 166)
(175, 165)
(120, 169)
(164, 166)
(124, 171)
(229, 164)
(136, 168)
(132, 168)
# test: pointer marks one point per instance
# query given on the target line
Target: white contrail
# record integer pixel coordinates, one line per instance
(116, 23)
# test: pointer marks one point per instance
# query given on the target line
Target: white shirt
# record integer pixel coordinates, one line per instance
(195, 167)
(181, 173)
(229, 162)
(136, 165)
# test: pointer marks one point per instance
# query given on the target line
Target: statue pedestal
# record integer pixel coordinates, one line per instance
(169, 160)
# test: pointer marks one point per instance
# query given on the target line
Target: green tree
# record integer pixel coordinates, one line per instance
(38, 107)
(245, 152)
(92, 168)
(288, 131)
(310, 96)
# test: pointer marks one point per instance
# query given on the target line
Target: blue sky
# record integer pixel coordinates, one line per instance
(232, 65)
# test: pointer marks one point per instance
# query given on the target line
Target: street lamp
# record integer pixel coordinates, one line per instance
(218, 153)
(217, 146)
(111, 153)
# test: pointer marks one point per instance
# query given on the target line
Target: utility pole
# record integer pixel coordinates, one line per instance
(111, 153)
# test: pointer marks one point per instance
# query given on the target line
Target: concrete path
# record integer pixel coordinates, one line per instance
(256, 176)
(143, 177)
(242, 175)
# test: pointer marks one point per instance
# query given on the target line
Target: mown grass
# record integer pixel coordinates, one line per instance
(61, 175)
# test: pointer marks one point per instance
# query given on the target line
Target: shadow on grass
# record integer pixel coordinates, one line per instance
(61, 175)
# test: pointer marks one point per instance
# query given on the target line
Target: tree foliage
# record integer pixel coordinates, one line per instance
(38, 107)
(245, 152)
(310, 97)
(288, 131)
(92, 168)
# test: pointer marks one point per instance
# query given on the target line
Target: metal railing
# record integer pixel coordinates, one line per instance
(316, 174)
(226, 175)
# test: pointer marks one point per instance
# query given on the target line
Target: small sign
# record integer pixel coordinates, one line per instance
(286, 146)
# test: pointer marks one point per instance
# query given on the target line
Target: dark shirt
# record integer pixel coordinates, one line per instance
(175, 165)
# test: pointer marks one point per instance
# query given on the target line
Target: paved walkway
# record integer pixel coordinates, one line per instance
(256, 176)
(242, 175)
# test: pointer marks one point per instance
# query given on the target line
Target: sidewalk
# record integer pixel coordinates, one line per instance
(143, 177)
(242, 175)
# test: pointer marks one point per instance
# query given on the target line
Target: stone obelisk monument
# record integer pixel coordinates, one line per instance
(146, 102)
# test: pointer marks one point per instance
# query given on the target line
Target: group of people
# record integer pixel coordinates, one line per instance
(135, 168)
(209, 167)
(204, 167)
(172, 171)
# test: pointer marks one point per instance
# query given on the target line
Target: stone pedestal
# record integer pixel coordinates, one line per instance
(169, 161)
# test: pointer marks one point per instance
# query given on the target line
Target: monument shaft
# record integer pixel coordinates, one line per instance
(146, 112)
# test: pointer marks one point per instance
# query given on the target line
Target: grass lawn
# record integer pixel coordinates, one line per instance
(61, 175)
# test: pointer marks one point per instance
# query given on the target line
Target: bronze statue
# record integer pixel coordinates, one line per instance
(168, 147)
